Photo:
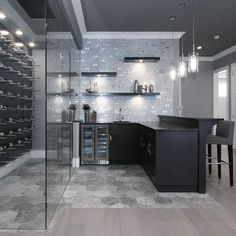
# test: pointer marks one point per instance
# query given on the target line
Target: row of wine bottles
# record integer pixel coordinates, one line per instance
(20, 143)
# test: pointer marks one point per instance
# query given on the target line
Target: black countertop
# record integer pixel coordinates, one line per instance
(192, 118)
(158, 126)
(163, 126)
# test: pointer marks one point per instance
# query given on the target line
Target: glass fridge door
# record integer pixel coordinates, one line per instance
(102, 143)
(87, 143)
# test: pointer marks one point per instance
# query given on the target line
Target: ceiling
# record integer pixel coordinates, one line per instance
(33, 13)
(36, 9)
(213, 17)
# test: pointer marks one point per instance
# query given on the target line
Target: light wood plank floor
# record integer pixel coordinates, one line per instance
(151, 222)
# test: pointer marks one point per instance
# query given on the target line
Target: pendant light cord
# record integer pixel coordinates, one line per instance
(193, 26)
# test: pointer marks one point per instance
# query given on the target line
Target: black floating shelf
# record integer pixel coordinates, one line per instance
(99, 74)
(120, 94)
(71, 93)
(62, 74)
(141, 59)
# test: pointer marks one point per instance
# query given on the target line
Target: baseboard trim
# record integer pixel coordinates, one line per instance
(5, 170)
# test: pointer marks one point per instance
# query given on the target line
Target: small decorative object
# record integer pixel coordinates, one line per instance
(94, 117)
(72, 109)
(63, 116)
(86, 109)
(145, 88)
(62, 88)
(151, 88)
(95, 87)
(136, 85)
(140, 89)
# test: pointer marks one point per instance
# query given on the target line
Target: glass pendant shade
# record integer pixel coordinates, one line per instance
(193, 63)
(182, 72)
(173, 72)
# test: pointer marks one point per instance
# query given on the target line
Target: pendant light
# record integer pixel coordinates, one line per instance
(193, 63)
(173, 72)
(182, 68)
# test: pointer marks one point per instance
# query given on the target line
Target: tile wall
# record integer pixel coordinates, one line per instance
(108, 55)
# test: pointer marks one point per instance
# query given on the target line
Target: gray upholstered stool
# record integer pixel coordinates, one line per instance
(224, 136)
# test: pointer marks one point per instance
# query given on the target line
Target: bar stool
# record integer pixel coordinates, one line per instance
(224, 136)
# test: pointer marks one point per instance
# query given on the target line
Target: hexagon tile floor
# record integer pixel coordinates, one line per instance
(120, 186)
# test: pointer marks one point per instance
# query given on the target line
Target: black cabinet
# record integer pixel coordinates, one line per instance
(177, 161)
(147, 147)
(170, 158)
(123, 147)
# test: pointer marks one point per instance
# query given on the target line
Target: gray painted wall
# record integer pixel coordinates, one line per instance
(222, 62)
(197, 92)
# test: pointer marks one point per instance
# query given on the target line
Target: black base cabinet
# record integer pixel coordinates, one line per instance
(123, 147)
(170, 159)
(169, 156)
(177, 161)
(147, 146)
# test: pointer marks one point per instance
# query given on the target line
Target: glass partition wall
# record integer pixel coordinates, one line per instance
(22, 102)
(38, 75)
(60, 97)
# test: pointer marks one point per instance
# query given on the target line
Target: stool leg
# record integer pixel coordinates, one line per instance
(219, 160)
(231, 174)
(209, 160)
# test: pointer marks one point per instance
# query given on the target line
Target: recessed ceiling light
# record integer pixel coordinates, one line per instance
(199, 47)
(172, 18)
(2, 16)
(19, 45)
(19, 32)
(216, 37)
(4, 32)
(32, 44)
(182, 5)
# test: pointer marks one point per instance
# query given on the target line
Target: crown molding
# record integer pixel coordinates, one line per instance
(132, 35)
(224, 53)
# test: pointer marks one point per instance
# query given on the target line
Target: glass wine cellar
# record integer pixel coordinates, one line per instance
(37, 77)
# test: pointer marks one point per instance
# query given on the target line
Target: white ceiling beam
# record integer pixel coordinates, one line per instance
(133, 35)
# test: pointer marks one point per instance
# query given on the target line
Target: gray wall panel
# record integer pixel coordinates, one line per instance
(197, 92)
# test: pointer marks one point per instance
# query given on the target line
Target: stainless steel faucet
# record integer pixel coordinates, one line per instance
(120, 115)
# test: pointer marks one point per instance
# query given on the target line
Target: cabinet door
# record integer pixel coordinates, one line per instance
(151, 155)
(102, 144)
(123, 147)
(87, 143)
(147, 150)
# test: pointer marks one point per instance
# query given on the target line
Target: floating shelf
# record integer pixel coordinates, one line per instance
(141, 59)
(62, 74)
(120, 94)
(64, 94)
(99, 74)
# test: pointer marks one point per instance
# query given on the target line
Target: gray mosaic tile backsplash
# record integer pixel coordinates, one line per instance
(108, 55)
(99, 55)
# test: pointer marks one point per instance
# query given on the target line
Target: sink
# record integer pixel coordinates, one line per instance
(122, 121)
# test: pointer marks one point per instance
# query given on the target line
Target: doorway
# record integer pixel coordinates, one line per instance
(221, 93)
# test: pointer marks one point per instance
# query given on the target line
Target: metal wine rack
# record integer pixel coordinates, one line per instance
(16, 78)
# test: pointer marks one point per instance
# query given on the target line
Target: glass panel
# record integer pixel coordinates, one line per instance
(22, 156)
(102, 142)
(87, 142)
(60, 94)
